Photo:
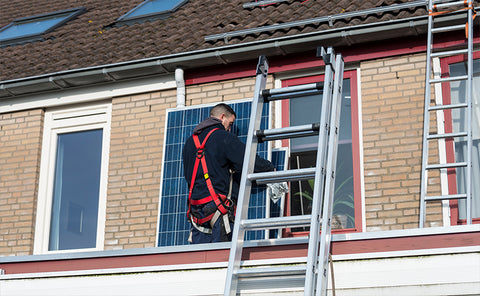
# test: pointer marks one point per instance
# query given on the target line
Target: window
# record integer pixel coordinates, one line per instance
(304, 110)
(455, 119)
(73, 172)
(151, 10)
(31, 28)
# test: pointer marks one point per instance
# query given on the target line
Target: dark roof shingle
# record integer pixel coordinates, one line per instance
(92, 39)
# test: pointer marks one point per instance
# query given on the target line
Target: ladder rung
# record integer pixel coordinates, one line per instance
(450, 106)
(442, 4)
(284, 270)
(445, 197)
(448, 53)
(448, 79)
(283, 176)
(277, 222)
(446, 165)
(288, 132)
(291, 92)
(448, 28)
(449, 135)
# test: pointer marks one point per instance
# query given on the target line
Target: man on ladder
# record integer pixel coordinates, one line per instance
(213, 160)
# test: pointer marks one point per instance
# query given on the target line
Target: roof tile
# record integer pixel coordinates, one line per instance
(92, 39)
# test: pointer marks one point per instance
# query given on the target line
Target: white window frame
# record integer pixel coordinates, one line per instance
(63, 120)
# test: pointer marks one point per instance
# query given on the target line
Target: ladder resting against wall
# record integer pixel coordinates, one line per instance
(439, 9)
(240, 274)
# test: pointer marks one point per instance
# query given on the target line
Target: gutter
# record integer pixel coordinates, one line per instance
(227, 54)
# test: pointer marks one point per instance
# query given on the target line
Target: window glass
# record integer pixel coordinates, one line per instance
(303, 154)
(76, 190)
(153, 7)
(459, 123)
(30, 28)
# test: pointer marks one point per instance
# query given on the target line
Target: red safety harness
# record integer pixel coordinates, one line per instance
(222, 202)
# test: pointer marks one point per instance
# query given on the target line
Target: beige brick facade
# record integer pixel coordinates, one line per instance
(20, 148)
(392, 107)
(138, 124)
(216, 92)
(392, 119)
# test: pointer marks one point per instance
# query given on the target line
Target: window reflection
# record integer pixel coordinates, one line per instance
(76, 190)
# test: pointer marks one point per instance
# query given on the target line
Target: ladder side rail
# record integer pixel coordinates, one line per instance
(325, 237)
(319, 180)
(469, 113)
(238, 234)
(426, 120)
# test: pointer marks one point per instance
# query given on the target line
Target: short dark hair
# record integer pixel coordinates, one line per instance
(220, 108)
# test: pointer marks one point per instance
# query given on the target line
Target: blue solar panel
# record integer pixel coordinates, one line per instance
(173, 226)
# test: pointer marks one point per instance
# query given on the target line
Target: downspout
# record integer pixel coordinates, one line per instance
(180, 81)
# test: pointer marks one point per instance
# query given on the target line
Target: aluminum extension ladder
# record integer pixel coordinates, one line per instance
(438, 9)
(314, 273)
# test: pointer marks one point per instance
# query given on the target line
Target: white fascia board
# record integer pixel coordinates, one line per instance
(422, 275)
(88, 94)
(376, 256)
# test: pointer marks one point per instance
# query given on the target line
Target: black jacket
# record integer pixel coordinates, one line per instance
(223, 151)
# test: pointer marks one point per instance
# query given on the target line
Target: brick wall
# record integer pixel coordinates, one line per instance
(216, 92)
(20, 148)
(138, 124)
(392, 106)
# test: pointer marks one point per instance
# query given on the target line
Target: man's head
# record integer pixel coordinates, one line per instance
(225, 113)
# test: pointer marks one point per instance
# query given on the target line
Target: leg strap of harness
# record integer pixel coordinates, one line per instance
(201, 228)
(214, 219)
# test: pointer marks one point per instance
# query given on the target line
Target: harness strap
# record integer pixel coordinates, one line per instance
(222, 202)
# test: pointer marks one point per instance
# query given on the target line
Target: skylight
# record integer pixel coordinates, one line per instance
(151, 9)
(31, 28)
